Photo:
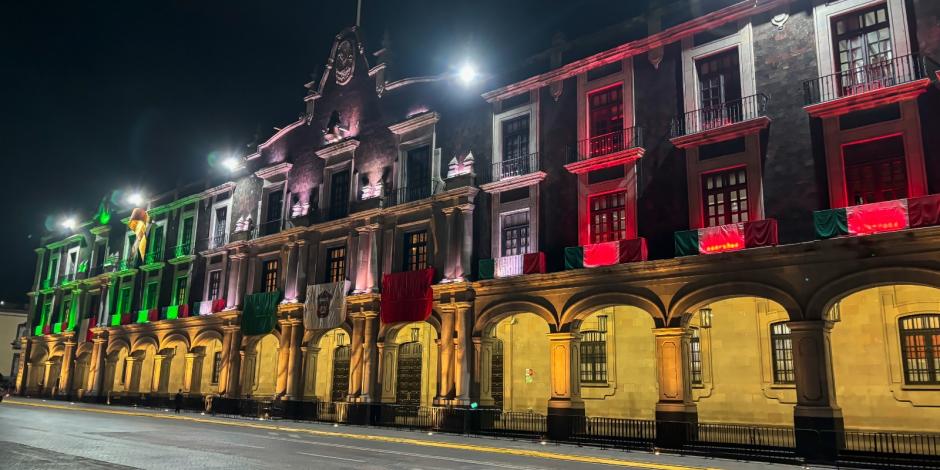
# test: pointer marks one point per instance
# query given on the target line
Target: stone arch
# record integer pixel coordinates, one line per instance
(250, 342)
(321, 372)
(260, 366)
(207, 335)
(313, 337)
(388, 331)
(117, 344)
(170, 370)
(143, 341)
(826, 296)
(175, 337)
(37, 367)
(693, 297)
(492, 314)
(80, 367)
(205, 345)
(580, 307)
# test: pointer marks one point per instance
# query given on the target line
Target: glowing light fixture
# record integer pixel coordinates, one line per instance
(232, 163)
(467, 73)
(69, 223)
(705, 317)
(135, 199)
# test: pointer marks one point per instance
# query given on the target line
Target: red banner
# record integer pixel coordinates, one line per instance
(720, 239)
(924, 211)
(760, 233)
(601, 254)
(633, 250)
(533, 263)
(407, 296)
(92, 322)
(218, 305)
(887, 216)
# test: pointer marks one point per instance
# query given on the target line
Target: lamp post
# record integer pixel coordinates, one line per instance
(705, 317)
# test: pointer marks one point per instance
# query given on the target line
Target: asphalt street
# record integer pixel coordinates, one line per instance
(37, 435)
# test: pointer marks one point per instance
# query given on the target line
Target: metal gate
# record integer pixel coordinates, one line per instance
(496, 385)
(340, 374)
(409, 374)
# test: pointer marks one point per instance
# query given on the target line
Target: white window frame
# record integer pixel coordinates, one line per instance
(498, 235)
(128, 246)
(742, 40)
(209, 271)
(267, 188)
(822, 19)
(227, 204)
(71, 268)
(179, 234)
(57, 257)
(429, 140)
(175, 288)
(151, 231)
(586, 87)
(532, 109)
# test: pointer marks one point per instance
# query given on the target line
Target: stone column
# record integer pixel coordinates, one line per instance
(98, 355)
(675, 411)
(192, 376)
(355, 358)
(236, 281)
(132, 375)
(484, 366)
(22, 374)
(450, 255)
(302, 261)
(446, 367)
(309, 374)
(817, 417)
(295, 361)
(368, 259)
(466, 243)
(231, 362)
(565, 405)
(65, 371)
(369, 356)
(156, 382)
(283, 357)
(104, 313)
(291, 294)
(462, 354)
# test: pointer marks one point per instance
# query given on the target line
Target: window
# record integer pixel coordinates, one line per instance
(123, 371)
(269, 275)
(695, 357)
(336, 264)
(273, 212)
(53, 268)
(418, 173)
(150, 295)
(186, 236)
(339, 194)
(216, 367)
(608, 217)
(340, 383)
(416, 251)
(515, 233)
(180, 289)
(920, 348)
(124, 300)
(155, 244)
(862, 42)
(65, 310)
(594, 357)
(515, 147)
(781, 347)
(215, 281)
(605, 118)
(719, 78)
(725, 196)
(875, 171)
(219, 229)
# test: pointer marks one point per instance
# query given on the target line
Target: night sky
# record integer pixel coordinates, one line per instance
(100, 96)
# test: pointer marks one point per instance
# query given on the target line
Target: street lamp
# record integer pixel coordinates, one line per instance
(705, 317)
(467, 73)
(68, 222)
(232, 163)
(135, 199)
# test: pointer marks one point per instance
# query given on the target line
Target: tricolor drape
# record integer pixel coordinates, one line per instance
(723, 238)
(878, 217)
(605, 254)
(325, 307)
(514, 265)
(260, 313)
(407, 296)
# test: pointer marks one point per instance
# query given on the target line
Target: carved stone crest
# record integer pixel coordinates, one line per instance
(345, 62)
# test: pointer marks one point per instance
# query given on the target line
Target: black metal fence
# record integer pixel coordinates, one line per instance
(406, 194)
(606, 144)
(513, 166)
(874, 76)
(724, 114)
(615, 432)
(510, 424)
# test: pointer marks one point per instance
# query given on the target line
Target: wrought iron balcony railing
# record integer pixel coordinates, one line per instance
(606, 144)
(410, 194)
(716, 117)
(183, 249)
(268, 228)
(881, 74)
(513, 167)
(217, 240)
(153, 257)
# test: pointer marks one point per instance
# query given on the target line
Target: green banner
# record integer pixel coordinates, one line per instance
(686, 242)
(142, 315)
(574, 257)
(830, 223)
(487, 268)
(260, 313)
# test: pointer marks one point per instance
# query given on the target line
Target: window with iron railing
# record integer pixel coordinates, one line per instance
(605, 111)
(719, 79)
(781, 347)
(862, 39)
(920, 348)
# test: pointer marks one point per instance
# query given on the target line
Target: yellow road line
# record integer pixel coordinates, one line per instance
(388, 439)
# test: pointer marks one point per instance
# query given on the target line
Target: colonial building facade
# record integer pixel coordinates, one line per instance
(729, 217)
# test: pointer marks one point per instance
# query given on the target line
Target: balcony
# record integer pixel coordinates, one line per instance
(268, 228)
(512, 173)
(725, 238)
(866, 87)
(408, 194)
(153, 257)
(218, 240)
(606, 253)
(603, 151)
(729, 120)
(878, 217)
(183, 249)
(513, 265)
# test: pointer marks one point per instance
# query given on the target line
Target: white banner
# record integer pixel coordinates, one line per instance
(325, 307)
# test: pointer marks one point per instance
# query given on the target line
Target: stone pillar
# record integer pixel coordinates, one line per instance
(236, 281)
(22, 374)
(817, 417)
(355, 358)
(295, 361)
(231, 362)
(291, 293)
(250, 276)
(309, 374)
(369, 357)
(192, 376)
(132, 375)
(283, 357)
(301, 284)
(65, 371)
(676, 414)
(156, 382)
(366, 278)
(466, 243)
(462, 355)
(450, 255)
(97, 366)
(445, 389)
(104, 313)
(565, 406)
